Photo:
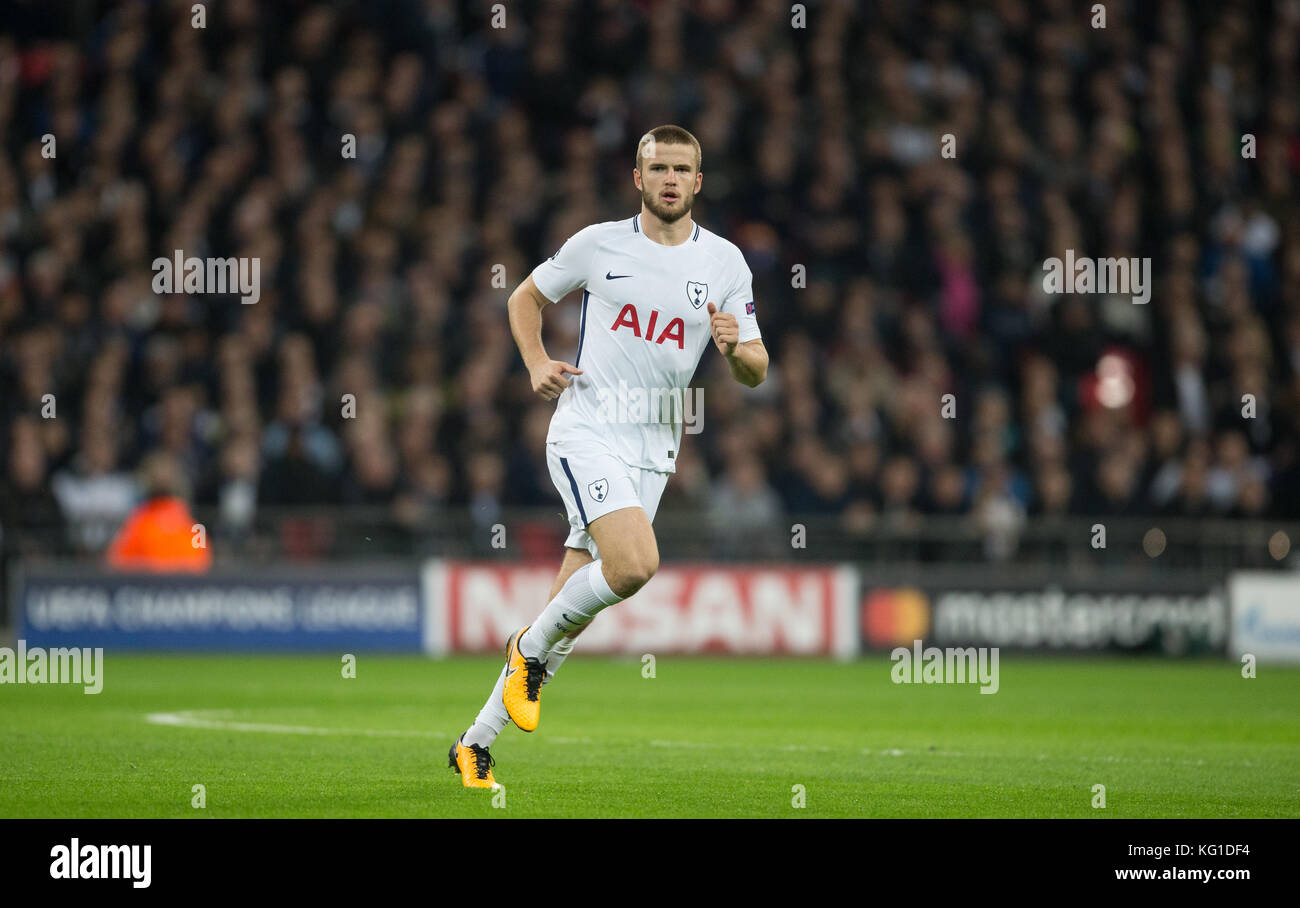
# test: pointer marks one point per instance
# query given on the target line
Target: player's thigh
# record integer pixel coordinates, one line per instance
(628, 550)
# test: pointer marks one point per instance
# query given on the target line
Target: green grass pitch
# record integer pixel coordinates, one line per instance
(288, 736)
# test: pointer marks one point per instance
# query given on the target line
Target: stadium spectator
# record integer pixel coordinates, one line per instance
(160, 535)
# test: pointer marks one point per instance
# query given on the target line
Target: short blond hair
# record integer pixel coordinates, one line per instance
(669, 135)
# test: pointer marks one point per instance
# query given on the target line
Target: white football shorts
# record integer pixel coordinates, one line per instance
(593, 482)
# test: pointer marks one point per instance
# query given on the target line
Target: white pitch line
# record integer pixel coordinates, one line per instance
(191, 719)
(785, 747)
(194, 718)
(895, 752)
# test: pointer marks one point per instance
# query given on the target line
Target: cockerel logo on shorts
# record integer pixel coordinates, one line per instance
(697, 293)
(598, 489)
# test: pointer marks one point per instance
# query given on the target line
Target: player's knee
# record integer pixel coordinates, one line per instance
(631, 574)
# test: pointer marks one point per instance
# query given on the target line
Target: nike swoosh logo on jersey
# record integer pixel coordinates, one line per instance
(610, 276)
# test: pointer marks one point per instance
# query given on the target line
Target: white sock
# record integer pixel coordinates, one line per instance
(557, 655)
(491, 718)
(579, 600)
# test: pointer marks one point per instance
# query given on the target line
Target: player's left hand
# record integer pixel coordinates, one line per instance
(725, 330)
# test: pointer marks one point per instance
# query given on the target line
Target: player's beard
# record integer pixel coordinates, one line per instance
(685, 200)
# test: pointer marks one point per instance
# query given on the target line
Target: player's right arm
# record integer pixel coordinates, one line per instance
(550, 282)
(546, 374)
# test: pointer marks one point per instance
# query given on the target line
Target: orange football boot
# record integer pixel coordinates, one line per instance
(523, 689)
(474, 764)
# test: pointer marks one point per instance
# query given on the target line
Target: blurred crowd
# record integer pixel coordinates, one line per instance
(888, 274)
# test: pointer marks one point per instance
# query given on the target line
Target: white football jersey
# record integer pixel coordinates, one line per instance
(643, 328)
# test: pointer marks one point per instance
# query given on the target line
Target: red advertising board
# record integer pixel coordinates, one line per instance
(684, 609)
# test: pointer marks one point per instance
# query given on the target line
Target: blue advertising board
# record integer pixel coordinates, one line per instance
(297, 609)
